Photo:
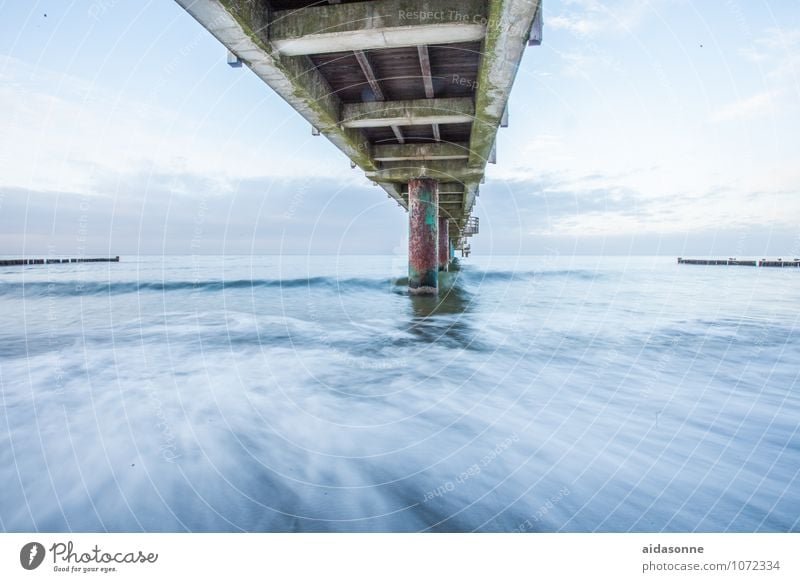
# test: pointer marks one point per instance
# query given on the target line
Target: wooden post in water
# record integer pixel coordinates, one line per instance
(444, 244)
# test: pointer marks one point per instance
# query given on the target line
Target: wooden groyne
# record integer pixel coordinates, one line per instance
(741, 263)
(13, 262)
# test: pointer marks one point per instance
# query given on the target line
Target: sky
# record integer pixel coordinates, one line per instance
(638, 127)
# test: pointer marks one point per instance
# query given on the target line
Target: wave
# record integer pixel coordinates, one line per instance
(88, 288)
(477, 276)
(81, 288)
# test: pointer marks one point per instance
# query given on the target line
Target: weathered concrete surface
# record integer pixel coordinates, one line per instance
(413, 112)
(420, 151)
(377, 24)
(444, 170)
(509, 24)
(448, 197)
(423, 236)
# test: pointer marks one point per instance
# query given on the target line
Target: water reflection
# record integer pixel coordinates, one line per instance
(444, 318)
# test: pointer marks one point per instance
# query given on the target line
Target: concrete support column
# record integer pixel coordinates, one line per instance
(444, 244)
(423, 236)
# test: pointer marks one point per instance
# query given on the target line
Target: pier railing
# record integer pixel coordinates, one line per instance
(471, 227)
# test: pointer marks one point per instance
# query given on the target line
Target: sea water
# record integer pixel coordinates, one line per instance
(294, 393)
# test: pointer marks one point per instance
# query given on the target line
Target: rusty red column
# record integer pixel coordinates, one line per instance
(423, 236)
(444, 244)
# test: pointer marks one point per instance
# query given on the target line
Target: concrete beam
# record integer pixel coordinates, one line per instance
(444, 188)
(376, 24)
(506, 38)
(410, 112)
(420, 151)
(470, 192)
(502, 51)
(448, 170)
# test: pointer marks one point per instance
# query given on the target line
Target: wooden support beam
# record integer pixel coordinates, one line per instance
(398, 134)
(425, 68)
(366, 68)
(369, 73)
(411, 112)
(420, 151)
(376, 24)
(450, 212)
(427, 81)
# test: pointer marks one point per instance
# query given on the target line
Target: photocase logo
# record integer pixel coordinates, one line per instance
(31, 555)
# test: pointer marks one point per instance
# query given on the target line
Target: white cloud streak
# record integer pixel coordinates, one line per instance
(751, 107)
(591, 17)
(61, 134)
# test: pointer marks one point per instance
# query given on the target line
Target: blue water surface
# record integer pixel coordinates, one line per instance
(313, 394)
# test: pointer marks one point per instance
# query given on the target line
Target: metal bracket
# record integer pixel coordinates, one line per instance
(535, 38)
(234, 61)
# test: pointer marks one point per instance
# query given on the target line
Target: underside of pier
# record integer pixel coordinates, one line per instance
(407, 89)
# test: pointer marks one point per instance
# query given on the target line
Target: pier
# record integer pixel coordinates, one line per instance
(13, 262)
(742, 263)
(411, 91)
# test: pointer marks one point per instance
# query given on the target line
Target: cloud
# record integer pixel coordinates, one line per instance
(586, 18)
(575, 25)
(604, 204)
(777, 54)
(587, 63)
(70, 135)
(145, 214)
(757, 105)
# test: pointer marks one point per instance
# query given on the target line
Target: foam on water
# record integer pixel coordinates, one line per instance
(313, 394)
